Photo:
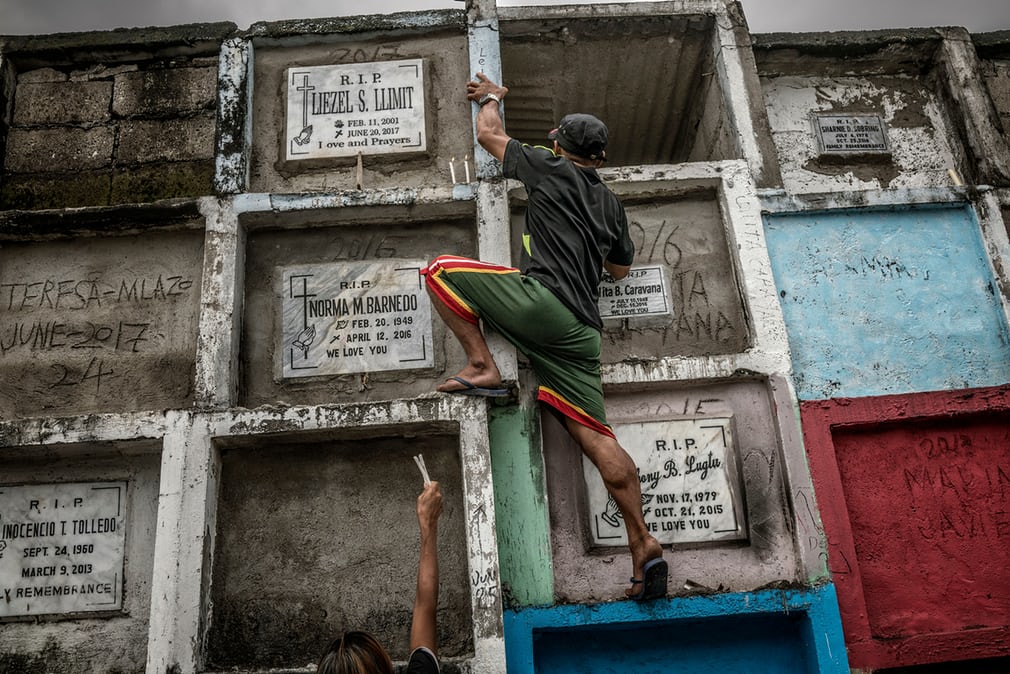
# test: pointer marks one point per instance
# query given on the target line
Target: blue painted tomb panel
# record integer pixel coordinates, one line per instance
(882, 301)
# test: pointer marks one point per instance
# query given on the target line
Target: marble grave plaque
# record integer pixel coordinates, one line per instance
(851, 134)
(690, 485)
(350, 317)
(341, 110)
(62, 548)
(643, 292)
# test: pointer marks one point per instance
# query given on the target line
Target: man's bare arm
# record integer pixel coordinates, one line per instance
(490, 129)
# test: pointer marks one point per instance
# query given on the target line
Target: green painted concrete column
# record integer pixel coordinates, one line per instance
(524, 544)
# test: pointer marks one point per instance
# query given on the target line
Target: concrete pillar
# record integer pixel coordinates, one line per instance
(235, 81)
(973, 109)
(186, 525)
(220, 305)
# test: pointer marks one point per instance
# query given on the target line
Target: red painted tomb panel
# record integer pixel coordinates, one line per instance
(930, 520)
(914, 492)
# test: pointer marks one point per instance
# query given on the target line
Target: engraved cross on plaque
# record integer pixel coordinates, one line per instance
(305, 89)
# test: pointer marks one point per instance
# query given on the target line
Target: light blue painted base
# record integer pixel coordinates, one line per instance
(771, 632)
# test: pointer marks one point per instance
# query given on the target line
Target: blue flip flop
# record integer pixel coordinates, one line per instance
(472, 390)
(653, 580)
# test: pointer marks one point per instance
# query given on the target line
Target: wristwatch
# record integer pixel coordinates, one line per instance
(487, 98)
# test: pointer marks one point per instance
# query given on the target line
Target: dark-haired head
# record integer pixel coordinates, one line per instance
(355, 653)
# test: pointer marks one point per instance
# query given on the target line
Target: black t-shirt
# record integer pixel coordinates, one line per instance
(573, 223)
(422, 661)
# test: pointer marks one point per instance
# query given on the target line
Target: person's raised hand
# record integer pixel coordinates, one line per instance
(429, 506)
(476, 89)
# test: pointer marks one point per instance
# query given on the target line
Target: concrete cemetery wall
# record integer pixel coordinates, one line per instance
(895, 305)
(357, 236)
(286, 577)
(152, 325)
(211, 309)
(878, 307)
(444, 54)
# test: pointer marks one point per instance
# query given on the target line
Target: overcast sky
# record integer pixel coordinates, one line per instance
(19, 17)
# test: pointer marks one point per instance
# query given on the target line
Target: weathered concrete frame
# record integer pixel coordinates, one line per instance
(731, 55)
(962, 76)
(187, 507)
(224, 262)
(740, 210)
(217, 388)
(996, 237)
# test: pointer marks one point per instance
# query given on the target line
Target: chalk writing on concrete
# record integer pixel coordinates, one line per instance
(76, 328)
(343, 110)
(484, 587)
(95, 371)
(699, 319)
(704, 301)
(689, 476)
(356, 246)
(641, 293)
(62, 548)
(341, 318)
(851, 134)
(657, 244)
(690, 406)
(382, 52)
(96, 291)
(54, 335)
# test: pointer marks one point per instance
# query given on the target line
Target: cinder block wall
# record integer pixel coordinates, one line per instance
(130, 124)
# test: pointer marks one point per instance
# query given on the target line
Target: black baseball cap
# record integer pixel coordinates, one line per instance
(582, 135)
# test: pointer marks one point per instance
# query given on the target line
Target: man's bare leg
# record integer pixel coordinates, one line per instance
(620, 476)
(480, 369)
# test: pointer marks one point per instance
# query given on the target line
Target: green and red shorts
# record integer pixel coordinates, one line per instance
(564, 351)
